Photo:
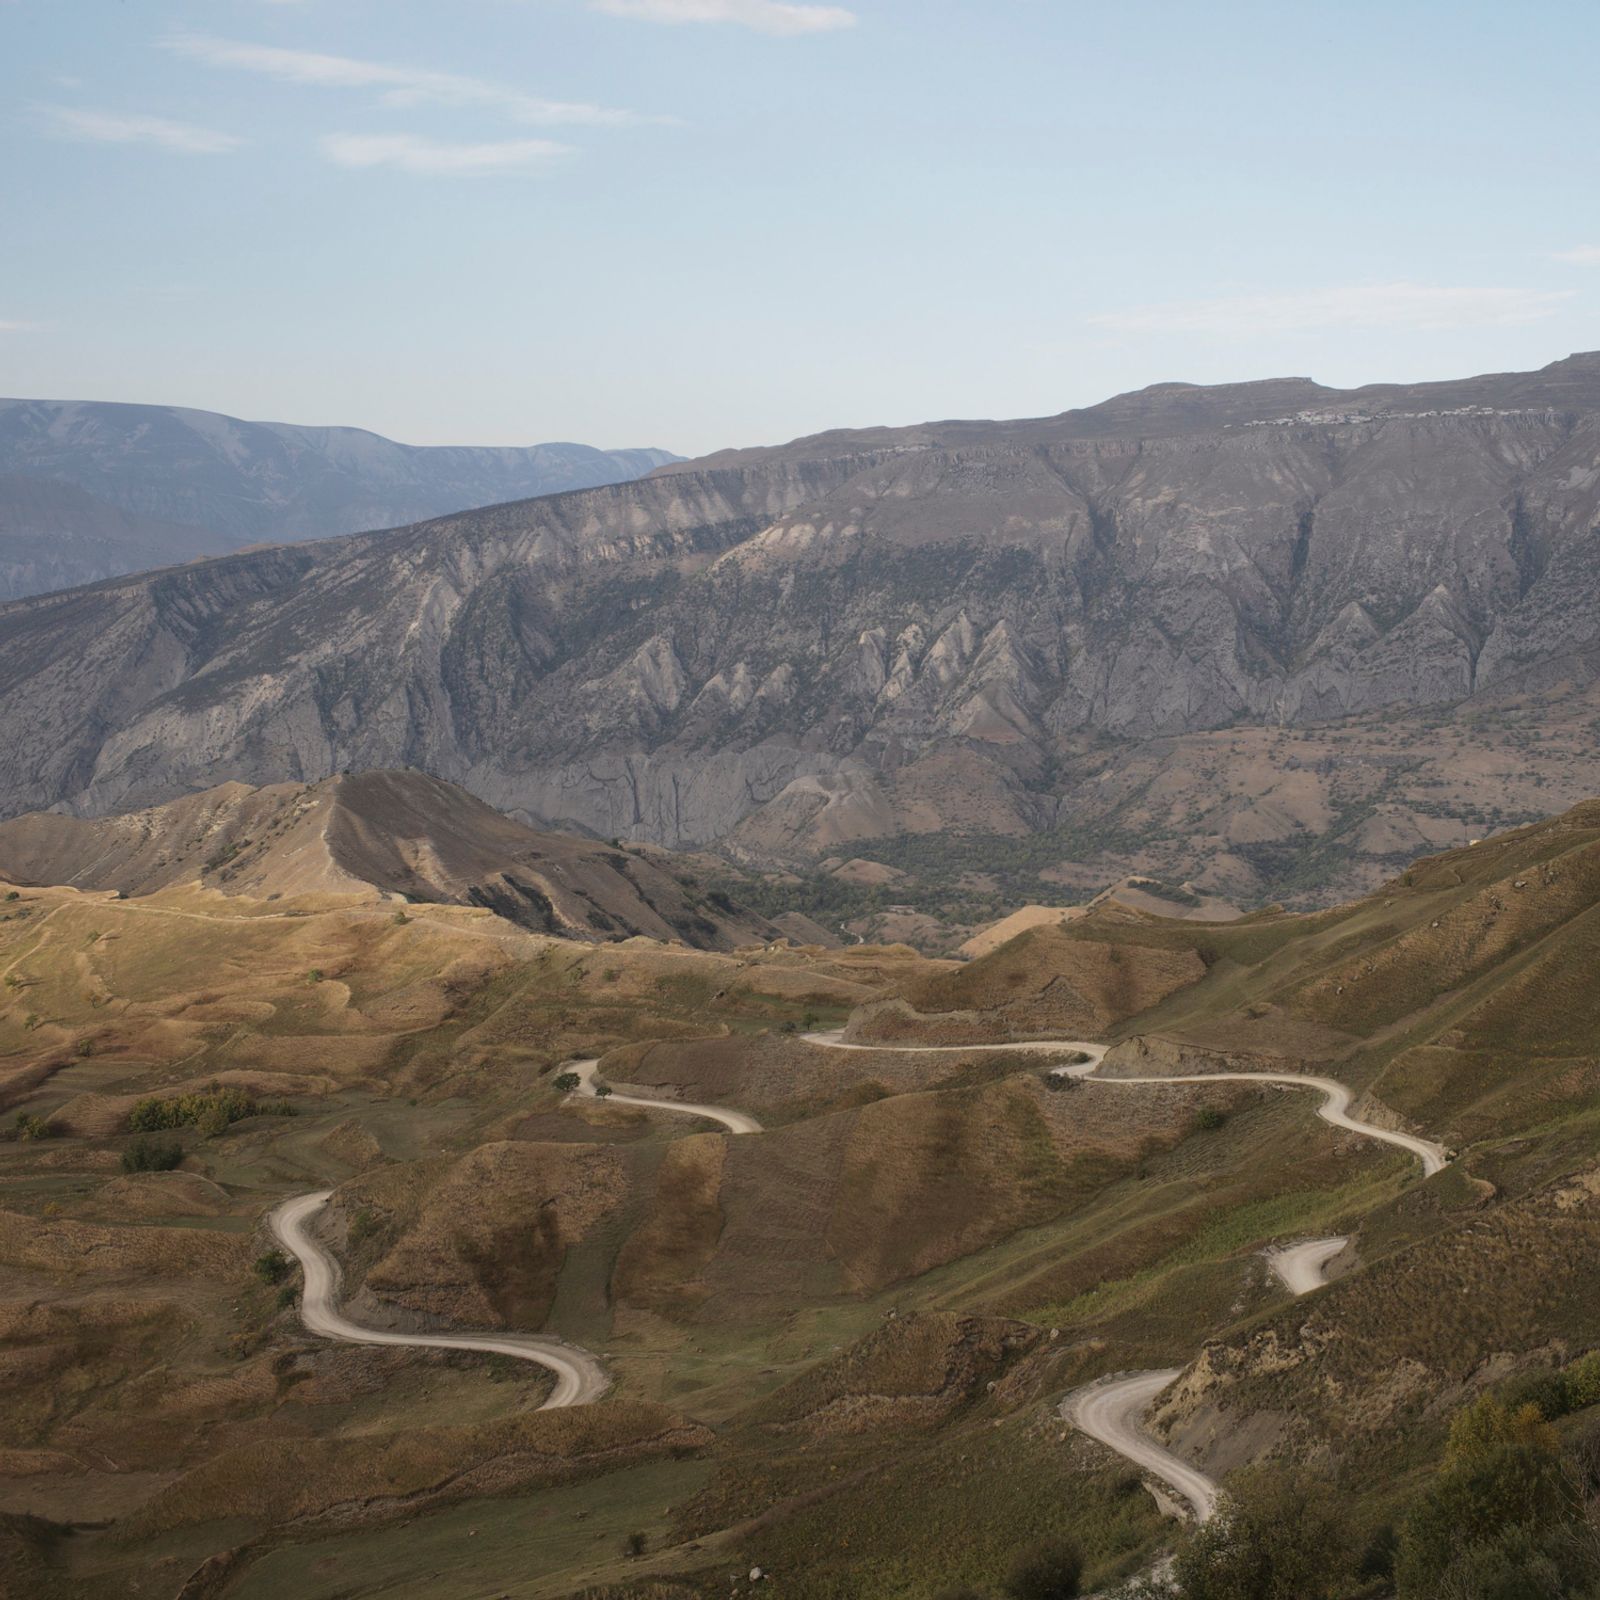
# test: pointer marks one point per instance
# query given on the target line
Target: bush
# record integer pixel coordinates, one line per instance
(272, 1267)
(602, 1090)
(1582, 1382)
(1208, 1119)
(152, 1155)
(1278, 1535)
(1544, 1390)
(1048, 1571)
(634, 1546)
(1503, 1503)
(212, 1112)
(30, 1128)
(566, 1082)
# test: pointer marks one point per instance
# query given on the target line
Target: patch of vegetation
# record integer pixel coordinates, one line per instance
(231, 852)
(28, 1128)
(152, 1155)
(211, 1112)
(271, 1267)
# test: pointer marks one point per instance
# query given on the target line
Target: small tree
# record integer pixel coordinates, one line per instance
(634, 1546)
(1277, 1535)
(566, 1082)
(152, 1155)
(272, 1267)
(602, 1091)
(1503, 1496)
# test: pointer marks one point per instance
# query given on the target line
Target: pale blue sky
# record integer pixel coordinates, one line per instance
(696, 223)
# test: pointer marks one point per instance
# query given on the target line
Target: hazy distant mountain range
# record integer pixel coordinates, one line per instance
(91, 490)
(1192, 631)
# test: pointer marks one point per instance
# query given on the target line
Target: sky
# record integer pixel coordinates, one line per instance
(705, 223)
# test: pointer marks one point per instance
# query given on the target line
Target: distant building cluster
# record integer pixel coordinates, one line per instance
(1327, 417)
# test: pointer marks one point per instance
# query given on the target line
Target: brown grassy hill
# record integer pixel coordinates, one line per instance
(380, 834)
(839, 1345)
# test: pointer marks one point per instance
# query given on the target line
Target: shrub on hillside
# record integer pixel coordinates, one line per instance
(1278, 1533)
(152, 1155)
(1556, 1391)
(1504, 1517)
(566, 1082)
(272, 1266)
(1048, 1571)
(212, 1112)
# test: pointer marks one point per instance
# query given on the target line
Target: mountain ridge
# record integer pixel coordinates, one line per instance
(393, 836)
(231, 482)
(876, 636)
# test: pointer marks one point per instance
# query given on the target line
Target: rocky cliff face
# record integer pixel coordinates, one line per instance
(941, 627)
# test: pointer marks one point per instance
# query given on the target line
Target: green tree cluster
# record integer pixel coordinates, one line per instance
(212, 1112)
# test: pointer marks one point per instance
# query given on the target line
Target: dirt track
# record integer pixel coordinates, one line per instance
(1304, 1267)
(580, 1379)
(733, 1121)
(1113, 1409)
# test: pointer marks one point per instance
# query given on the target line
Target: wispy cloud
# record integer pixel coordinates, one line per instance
(398, 86)
(435, 158)
(765, 16)
(1419, 307)
(116, 127)
(1586, 255)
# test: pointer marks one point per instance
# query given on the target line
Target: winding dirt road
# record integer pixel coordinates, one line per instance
(1113, 1412)
(1335, 1107)
(580, 1379)
(834, 1039)
(733, 1121)
(1304, 1267)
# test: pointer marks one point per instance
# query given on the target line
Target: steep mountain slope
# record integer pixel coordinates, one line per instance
(991, 629)
(196, 483)
(56, 536)
(379, 834)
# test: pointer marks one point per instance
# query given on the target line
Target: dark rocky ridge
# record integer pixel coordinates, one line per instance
(763, 644)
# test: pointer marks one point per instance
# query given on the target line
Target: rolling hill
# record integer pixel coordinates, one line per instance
(399, 836)
(839, 1346)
